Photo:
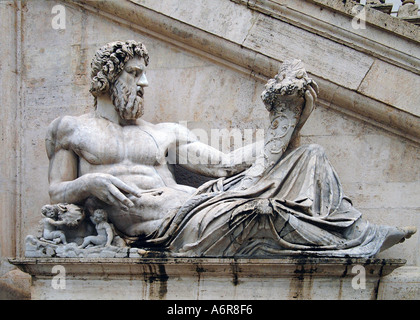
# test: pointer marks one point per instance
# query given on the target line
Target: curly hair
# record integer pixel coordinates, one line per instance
(110, 60)
(291, 79)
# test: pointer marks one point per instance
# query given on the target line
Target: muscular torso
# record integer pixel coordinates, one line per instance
(136, 154)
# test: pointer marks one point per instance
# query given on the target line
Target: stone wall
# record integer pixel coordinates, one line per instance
(207, 70)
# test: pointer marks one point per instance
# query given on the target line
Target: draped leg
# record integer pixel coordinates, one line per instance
(297, 207)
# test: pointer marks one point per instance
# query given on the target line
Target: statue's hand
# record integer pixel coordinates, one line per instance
(311, 94)
(109, 189)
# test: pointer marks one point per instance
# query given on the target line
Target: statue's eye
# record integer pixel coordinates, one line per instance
(133, 71)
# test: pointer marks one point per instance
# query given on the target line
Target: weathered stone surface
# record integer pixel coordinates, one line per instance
(215, 279)
(385, 82)
(15, 285)
(402, 284)
(323, 57)
(9, 96)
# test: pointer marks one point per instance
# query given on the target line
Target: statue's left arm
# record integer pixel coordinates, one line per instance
(201, 158)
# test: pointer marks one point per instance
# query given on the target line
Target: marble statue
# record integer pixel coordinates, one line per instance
(408, 9)
(104, 231)
(62, 215)
(276, 201)
(50, 224)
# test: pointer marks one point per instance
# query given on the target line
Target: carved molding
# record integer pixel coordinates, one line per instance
(286, 266)
(373, 17)
(368, 42)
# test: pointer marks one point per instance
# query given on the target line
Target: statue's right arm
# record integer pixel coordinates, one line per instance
(65, 184)
(55, 223)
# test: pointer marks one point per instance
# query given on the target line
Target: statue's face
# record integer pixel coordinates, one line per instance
(49, 211)
(98, 216)
(128, 90)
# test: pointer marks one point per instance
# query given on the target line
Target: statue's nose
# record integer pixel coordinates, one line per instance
(143, 81)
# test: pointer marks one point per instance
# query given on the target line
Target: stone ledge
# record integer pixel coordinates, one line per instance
(207, 278)
(287, 266)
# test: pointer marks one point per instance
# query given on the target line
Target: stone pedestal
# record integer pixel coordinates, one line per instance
(206, 278)
(402, 284)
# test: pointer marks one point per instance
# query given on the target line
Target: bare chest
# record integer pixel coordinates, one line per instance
(104, 143)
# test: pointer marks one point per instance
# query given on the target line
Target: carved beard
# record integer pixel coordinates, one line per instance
(127, 102)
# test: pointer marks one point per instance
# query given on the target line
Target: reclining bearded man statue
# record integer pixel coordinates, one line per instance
(276, 201)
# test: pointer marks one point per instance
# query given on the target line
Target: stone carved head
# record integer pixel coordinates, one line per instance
(50, 211)
(98, 216)
(290, 83)
(110, 60)
(71, 214)
(107, 66)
